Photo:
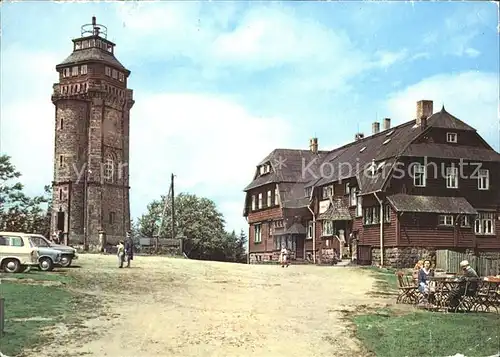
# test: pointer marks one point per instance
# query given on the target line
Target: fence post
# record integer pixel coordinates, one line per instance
(2, 316)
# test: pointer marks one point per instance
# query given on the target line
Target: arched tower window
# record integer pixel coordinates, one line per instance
(109, 169)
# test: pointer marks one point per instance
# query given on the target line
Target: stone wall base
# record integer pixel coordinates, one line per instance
(407, 257)
(268, 257)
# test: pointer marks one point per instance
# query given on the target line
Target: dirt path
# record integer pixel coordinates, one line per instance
(177, 307)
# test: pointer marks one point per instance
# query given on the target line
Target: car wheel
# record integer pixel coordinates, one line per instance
(46, 264)
(66, 261)
(11, 266)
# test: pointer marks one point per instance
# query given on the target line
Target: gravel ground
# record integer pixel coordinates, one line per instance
(176, 307)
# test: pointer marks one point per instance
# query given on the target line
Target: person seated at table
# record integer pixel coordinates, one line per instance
(468, 275)
(423, 278)
(416, 269)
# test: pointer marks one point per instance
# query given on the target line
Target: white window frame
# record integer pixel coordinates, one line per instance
(276, 197)
(269, 198)
(445, 220)
(261, 170)
(260, 201)
(483, 180)
(387, 214)
(121, 77)
(66, 72)
(114, 74)
(451, 138)
(419, 175)
(310, 228)
(253, 202)
(327, 228)
(452, 177)
(352, 196)
(74, 71)
(83, 69)
(346, 188)
(465, 221)
(109, 170)
(327, 192)
(107, 71)
(485, 224)
(359, 206)
(78, 45)
(257, 230)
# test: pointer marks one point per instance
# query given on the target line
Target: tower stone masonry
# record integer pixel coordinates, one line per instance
(91, 151)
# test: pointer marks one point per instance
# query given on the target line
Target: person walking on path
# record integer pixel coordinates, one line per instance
(129, 249)
(120, 253)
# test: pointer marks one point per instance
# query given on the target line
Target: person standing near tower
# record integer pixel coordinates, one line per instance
(129, 249)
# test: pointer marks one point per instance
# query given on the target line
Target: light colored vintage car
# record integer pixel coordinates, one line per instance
(18, 250)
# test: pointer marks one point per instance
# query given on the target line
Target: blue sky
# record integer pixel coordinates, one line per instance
(218, 85)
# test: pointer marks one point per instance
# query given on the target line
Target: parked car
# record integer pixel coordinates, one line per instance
(68, 254)
(47, 258)
(17, 252)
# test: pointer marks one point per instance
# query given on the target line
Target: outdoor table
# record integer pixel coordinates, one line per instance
(485, 297)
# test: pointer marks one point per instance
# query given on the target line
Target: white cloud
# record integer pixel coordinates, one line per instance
(211, 144)
(27, 114)
(470, 96)
(266, 36)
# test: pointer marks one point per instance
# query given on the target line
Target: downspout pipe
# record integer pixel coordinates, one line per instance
(314, 226)
(381, 217)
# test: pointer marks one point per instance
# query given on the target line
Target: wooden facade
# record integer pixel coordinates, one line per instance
(441, 191)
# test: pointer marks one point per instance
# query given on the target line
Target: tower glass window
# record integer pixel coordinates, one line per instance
(74, 71)
(109, 170)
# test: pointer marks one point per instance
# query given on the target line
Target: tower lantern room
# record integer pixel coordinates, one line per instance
(94, 36)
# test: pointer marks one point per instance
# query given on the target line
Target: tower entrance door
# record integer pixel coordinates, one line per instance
(60, 221)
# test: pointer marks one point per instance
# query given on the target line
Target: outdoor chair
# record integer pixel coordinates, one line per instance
(487, 297)
(408, 290)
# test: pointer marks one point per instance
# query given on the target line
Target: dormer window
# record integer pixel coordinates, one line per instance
(451, 137)
(371, 170)
(268, 168)
(385, 142)
(327, 192)
(389, 133)
(261, 170)
(362, 149)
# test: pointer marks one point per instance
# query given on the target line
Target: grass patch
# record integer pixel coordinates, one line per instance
(423, 333)
(33, 308)
(404, 332)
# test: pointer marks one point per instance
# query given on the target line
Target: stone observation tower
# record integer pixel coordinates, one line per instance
(92, 116)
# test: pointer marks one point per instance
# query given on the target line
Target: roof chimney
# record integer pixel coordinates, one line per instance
(387, 123)
(375, 127)
(359, 136)
(313, 145)
(424, 110)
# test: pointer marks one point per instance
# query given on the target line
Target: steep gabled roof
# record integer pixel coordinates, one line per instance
(445, 120)
(351, 159)
(287, 166)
